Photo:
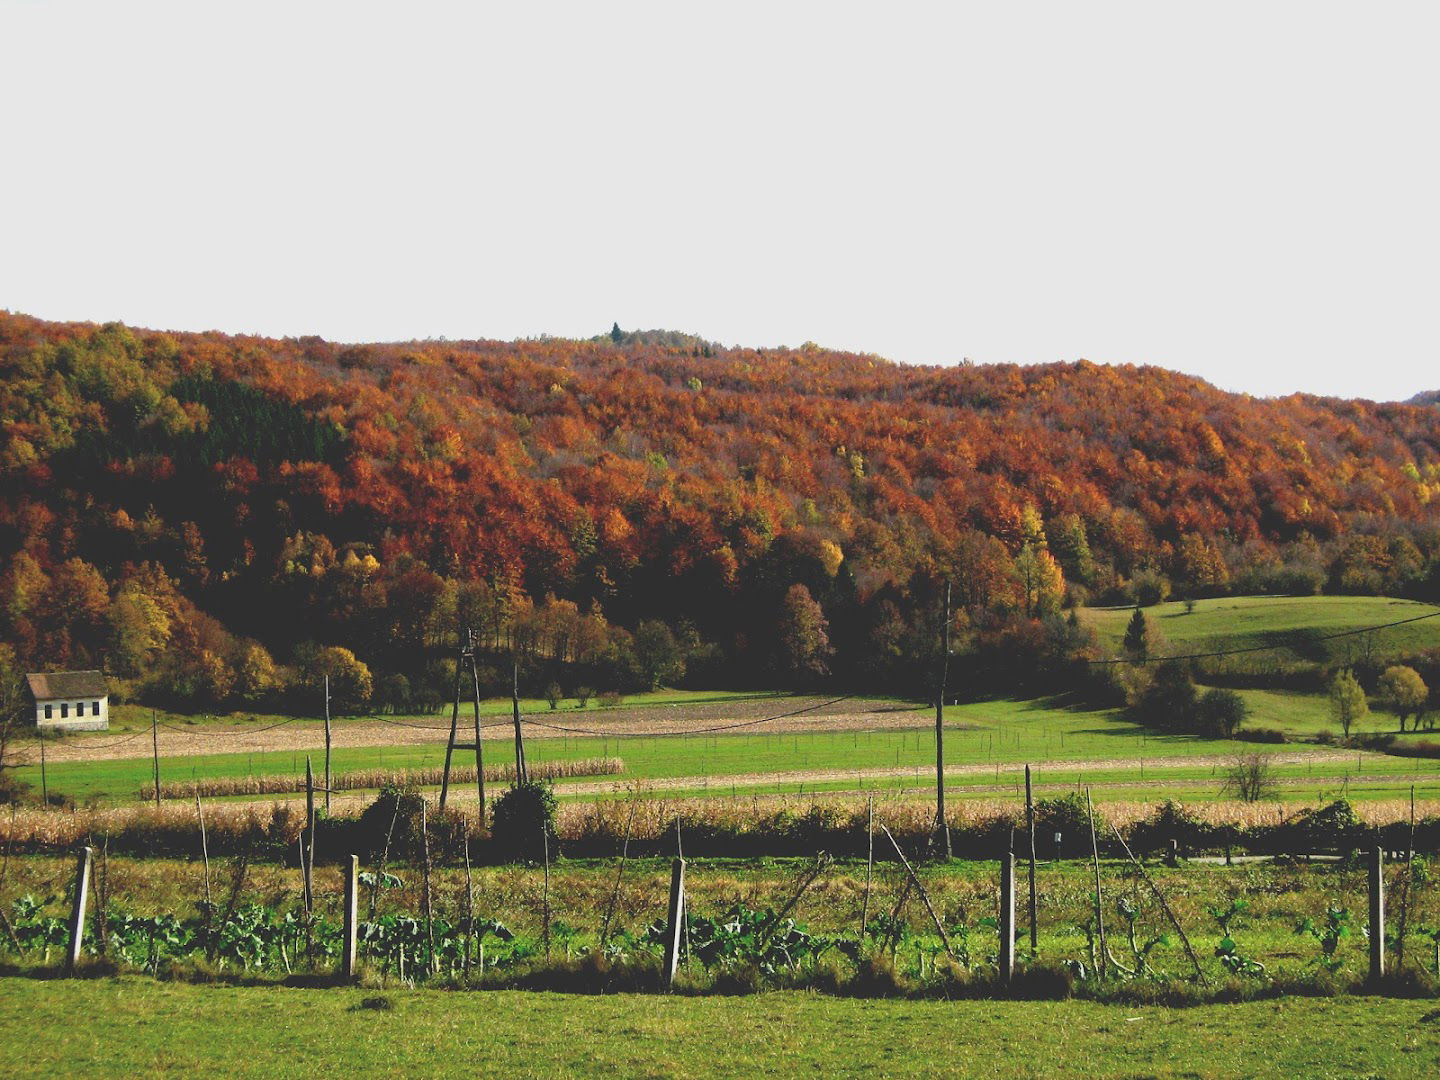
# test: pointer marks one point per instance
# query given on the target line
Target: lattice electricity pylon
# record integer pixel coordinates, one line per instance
(469, 645)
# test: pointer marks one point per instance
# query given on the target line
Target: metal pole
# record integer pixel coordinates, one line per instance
(352, 905)
(77, 912)
(1007, 914)
(676, 916)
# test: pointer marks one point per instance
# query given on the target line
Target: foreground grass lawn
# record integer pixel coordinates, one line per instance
(136, 1027)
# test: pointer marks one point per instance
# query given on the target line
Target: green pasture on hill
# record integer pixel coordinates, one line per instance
(176, 1029)
(1293, 623)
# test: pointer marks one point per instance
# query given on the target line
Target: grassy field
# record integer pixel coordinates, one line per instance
(1295, 623)
(156, 1029)
(999, 734)
(987, 733)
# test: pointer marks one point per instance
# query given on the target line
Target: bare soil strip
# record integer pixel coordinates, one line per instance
(854, 714)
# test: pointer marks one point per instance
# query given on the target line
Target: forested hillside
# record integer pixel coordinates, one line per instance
(216, 518)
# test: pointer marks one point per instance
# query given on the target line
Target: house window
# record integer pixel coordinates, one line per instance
(64, 710)
(95, 708)
(79, 708)
(49, 712)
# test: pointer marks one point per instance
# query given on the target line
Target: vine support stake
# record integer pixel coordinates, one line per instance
(1007, 914)
(1030, 831)
(328, 785)
(1377, 914)
(924, 896)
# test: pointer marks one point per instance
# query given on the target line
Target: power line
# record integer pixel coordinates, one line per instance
(602, 733)
(248, 731)
(1262, 648)
(690, 731)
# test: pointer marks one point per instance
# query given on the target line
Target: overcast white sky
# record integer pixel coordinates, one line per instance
(1245, 191)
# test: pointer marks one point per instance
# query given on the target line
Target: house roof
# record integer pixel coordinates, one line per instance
(67, 684)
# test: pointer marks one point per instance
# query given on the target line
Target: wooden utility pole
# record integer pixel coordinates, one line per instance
(155, 746)
(454, 726)
(468, 648)
(1030, 831)
(327, 746)
(77, 912)
(479, 746)
(942, 827)
(522, 775)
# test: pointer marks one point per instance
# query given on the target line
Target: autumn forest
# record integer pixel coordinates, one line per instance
(219, 520)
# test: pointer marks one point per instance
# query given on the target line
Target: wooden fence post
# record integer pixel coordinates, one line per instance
(676, 921)
(1030, 830)
(1377, 913)
(1007, 914)
(307, 840)
(155, 748)
(352, 912)
(328, 784)
(77, 913)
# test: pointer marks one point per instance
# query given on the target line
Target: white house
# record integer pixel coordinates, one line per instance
(70, 701)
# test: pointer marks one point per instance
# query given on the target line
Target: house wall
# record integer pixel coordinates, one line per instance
(76, 719)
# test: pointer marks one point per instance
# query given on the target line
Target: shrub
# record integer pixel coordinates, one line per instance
(610, 698)
(1170, 821)
(1067, 816)
(1263, 735)
(1250, 778)
(1220, 713)
(583, 694)
(553, 694)
(400, 806)
(523, 817)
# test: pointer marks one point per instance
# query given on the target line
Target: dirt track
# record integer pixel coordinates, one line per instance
(851, 714)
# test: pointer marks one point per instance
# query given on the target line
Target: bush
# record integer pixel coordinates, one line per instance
(610, 698)
(392, 805)
(1262, 735)
(1170, 821)
(1067, 816)
(1220, 713)
(523, 817)
(553, 694)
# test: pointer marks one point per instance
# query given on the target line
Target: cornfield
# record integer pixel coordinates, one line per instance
(764, 823)
(373, 779)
